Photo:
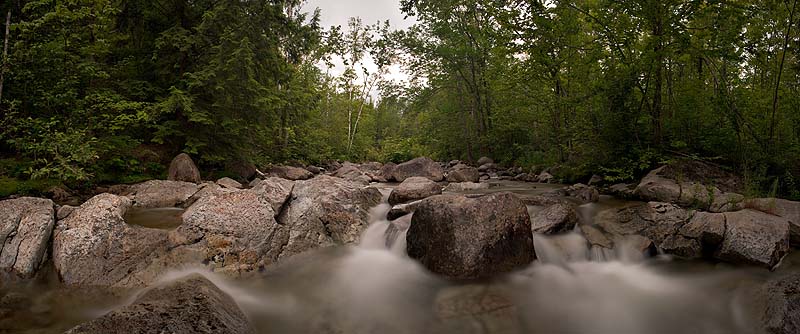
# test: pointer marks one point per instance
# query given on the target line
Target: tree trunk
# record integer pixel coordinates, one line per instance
(780, 72)
(5, 55)
(658, 50)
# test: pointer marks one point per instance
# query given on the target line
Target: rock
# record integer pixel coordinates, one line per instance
(25, 227)
(545, 177)
(205, 189)
(466, 186)
(475, 308)
(371, 166)
(387, 172)
(789, 210)
(539, 200)
(95, 247)
(314, 169)
(583, 193)
(190, 305)
(161, 194)
(691, 184)
(463, 173)
(471, 238)
(275, 190)
(554, 219)
(64, 211)
(424, 167)
(401, 210)
(351, 172)
(595, 236)
(488, 167)
(182, 168)
(781, 314)
(595, 180)
(622, 190)
(485, 160)
(655, 187)
(324, 211)
(755, 238)
(290, 173)
(229, 183)
(709, 228)
(233, 229)
(243, 169)
(414, 188)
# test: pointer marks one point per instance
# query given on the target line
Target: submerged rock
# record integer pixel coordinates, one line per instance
(182, 168)
(95, 247)
(189, 305)
(471, 238)
(424, 167)
(414, 188)
(25, 227)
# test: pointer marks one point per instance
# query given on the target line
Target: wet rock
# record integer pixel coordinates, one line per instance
(789, 210)
(25, 227)
(622, 190)
(232, 229)
(324, 211)
(229, 183)
(95, 247)
(781, 314)
(161, 194)
(424, 167)
(414, 188)
(275, 190)
(471, 238)
(485, 160)
(189, 305)
(475, 309)
(182, 168)
(596, 237)
(466, 186)
(554, 219)
(401, 210)
(463, 173)
(290, 173)
(755, 238)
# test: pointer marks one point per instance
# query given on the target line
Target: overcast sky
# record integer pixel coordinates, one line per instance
(337, 12)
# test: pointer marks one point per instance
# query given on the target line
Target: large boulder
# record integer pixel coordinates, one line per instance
(232, 229)
(95, 247)
(190, 305)
(755, 238)
(485, 160)
(424, 167)
(386, 173)
(290, 173)
(463, 173)
(161, 194)
(471, 238)
(182, 168)
(324, 211)
(554, 219)
(414, 188)
(25, 228)
(352, 172)
(789, 210)
(275, 190)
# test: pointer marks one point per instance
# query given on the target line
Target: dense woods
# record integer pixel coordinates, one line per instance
(101, 91)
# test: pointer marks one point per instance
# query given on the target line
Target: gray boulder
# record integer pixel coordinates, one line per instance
(789, 210)
(754, 238)
(190, 305)
(277, 191)
(485, 160)
(182, 168)
(471, 238)
(424, 167)
(323, 211)
(95, 247)
(545, 177)
(781, 301)
(386, 173)
(414, 188)
(352, 172)
(554, 219)
(25, 227)
(463, 173)
(691, 184)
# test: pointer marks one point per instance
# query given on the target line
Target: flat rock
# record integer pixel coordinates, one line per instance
(790, 210)
(161, 194)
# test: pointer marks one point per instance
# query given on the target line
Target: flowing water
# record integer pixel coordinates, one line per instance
(374, 287)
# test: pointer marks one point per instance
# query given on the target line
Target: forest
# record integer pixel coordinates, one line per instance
(105, 91)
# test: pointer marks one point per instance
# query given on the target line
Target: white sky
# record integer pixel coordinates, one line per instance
(339, 12)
